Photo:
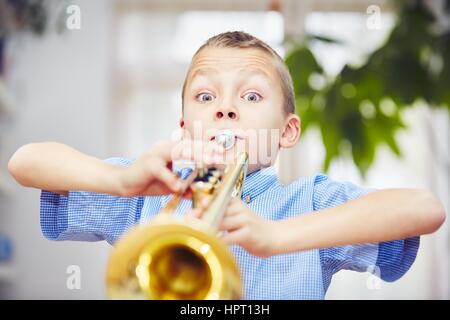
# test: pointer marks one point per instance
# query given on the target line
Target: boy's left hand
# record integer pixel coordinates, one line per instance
(244, 227)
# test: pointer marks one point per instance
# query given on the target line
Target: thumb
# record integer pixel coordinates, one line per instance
(166, 176)
(194, 213)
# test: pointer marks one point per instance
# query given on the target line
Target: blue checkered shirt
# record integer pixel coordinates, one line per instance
(86, 216)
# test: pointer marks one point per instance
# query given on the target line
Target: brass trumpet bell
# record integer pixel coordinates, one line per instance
(171, 258)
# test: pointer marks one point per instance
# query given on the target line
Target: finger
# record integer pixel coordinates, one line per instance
(198, 212)
(234, 207)
(167, 177)
(231, 211)
(163, 149)
(234, 237)
(235, 202)
(231, 223)
(204, 203)
(194, 213)
(156, 189)
(188, 194)
(198, 151)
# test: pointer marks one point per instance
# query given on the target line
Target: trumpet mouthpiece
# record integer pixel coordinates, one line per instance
(226, 138)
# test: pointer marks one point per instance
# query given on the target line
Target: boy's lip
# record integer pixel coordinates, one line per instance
(227, 138)
(236, 136)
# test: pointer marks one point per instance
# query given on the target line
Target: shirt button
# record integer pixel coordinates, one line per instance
(248, 198)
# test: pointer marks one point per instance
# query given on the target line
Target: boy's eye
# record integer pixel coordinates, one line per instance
(252, 97)
(204, 97)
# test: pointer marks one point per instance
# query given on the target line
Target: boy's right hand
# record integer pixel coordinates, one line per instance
(151, 174)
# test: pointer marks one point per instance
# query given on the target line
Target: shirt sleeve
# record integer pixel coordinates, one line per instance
(388, 260)
(87, 216)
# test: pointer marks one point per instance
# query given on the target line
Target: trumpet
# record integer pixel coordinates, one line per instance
(173, 259)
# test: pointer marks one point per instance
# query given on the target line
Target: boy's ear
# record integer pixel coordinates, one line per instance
(181, 123)
(291, 132)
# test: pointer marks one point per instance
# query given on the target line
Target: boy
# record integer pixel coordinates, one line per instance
(288, 240)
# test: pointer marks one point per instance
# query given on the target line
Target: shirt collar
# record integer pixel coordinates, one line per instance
(255, 183)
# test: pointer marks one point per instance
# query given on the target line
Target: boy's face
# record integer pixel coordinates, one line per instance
(240, 90)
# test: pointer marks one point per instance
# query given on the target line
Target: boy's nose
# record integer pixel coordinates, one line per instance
(230, 115)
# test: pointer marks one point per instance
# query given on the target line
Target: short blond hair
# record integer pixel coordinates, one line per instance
(243, 40)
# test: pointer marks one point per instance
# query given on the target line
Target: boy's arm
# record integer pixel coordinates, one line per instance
(376, 217)
(97, 200)
(56, 167)
(379, 216)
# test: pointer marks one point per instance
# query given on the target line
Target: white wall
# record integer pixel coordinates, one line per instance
(60, 83)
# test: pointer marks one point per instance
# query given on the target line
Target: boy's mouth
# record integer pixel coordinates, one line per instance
(227, 138)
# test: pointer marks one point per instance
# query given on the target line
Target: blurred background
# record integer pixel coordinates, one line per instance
(372, 83)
